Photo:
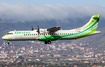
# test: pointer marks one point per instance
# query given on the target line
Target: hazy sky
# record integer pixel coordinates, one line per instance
(64, 2)
(31, 10)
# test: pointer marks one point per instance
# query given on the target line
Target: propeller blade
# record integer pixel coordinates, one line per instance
(38, 29)
(32, 28)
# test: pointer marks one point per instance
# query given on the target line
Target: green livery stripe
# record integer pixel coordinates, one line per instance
(80, 36)
(21, 32)
(96, 15)
(50, 38)
(6, 35)
(8, 40)
(86, 33)
(90, 23)
(93, 20)
(58, 37)
(93, 23)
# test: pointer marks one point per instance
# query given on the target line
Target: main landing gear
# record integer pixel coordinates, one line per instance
(47, 42)
(8, 43)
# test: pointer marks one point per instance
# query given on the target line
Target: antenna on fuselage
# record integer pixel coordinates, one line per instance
(32, 28)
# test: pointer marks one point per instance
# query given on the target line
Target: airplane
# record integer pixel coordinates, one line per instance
(54, 33)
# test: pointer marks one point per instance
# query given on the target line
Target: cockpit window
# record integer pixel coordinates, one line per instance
(9, 33)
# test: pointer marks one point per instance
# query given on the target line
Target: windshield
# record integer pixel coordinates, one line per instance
(9, 33)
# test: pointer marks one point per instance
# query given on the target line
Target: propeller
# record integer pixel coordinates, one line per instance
(32, 28)
(38, 29)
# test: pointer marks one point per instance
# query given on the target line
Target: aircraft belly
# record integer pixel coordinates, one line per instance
(52, 38)
(21, 39)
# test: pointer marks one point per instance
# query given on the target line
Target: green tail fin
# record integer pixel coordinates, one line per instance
(93, 21)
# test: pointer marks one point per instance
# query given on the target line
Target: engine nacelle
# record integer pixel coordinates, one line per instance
(43, 31)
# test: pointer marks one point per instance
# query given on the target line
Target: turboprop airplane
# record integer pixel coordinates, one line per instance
(52, 34)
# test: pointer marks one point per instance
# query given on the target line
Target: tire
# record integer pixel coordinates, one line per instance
(47, 42)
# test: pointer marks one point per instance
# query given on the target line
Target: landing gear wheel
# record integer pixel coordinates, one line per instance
(47, 42)
(8, 42)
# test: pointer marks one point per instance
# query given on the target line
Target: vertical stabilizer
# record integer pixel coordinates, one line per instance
(93, 23)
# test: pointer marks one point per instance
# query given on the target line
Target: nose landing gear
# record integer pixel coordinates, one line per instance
(47, 42)
(8, 42)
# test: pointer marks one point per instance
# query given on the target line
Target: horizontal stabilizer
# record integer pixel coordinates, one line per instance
(96, 32)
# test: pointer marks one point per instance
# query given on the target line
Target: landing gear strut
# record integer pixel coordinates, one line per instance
(47, 42)
(8, 42)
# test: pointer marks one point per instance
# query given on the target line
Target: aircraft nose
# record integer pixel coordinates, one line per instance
(3, 38)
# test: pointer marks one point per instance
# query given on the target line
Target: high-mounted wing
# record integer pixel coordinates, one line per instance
(53, 29)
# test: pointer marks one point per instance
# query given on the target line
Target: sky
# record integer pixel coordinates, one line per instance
(31, 10)
(64, 2)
